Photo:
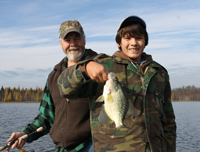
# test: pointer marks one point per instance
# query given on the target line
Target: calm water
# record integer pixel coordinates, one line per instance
(14, 116)
(188, 126)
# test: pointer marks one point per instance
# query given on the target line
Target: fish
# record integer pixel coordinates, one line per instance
(116, 103)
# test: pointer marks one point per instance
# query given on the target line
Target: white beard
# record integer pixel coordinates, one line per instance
(75, 56)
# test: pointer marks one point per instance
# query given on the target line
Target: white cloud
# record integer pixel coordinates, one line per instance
(31, 57)
(43, 28)
(29, 33)
(103, 47)
(177, 19)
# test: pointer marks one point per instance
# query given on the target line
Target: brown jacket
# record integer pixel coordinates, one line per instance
(72, 120)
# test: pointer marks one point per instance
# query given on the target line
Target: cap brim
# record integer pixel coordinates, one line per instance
(69, 31)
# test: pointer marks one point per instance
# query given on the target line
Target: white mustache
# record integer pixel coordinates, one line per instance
(73, 48)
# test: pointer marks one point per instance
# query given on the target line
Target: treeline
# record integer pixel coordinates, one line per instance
(188, 93)
(20, 95)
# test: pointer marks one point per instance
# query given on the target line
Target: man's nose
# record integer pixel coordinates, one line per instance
(73, 43)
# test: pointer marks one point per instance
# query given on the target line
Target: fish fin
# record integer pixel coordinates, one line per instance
(109, 98)
(131, 109)
(103, 117)
(121, 125)
(100, 99)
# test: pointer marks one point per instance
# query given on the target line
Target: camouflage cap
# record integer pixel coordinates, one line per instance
(70, 26)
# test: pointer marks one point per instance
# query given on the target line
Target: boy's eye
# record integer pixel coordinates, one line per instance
(126, 37)
(140, 38)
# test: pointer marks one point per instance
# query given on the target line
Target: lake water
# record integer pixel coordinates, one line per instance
(188, 126)
(14, 116)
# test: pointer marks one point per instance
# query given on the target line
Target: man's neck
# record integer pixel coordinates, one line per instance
(70, 63)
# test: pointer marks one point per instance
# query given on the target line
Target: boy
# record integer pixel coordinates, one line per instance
(146, 84)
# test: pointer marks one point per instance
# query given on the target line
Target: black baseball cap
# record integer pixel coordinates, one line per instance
(129, 19)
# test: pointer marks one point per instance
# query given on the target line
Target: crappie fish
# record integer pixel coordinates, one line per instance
(116, 103)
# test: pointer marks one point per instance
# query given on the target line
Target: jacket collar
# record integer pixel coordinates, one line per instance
(121, 58)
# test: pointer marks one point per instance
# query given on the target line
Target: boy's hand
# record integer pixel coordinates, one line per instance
(97, 72)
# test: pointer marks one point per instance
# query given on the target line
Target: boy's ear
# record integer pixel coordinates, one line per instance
(118, 45)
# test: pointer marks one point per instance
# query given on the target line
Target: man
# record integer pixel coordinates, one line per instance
(67, 121)
(152, 127)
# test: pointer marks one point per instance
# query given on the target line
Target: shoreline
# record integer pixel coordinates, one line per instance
(185, 101)
(20, 102)
(39, 101)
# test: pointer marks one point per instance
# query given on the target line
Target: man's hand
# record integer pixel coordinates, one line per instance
(97, 72)
(18, 143)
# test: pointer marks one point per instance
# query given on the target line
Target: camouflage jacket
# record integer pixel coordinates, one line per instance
(153, 128)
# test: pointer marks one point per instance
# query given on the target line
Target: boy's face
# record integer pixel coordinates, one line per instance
(132, 47)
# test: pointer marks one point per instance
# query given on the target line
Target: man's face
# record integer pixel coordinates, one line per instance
(132, 47)
(73, 46)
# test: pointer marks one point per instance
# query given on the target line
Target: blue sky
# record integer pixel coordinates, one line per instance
(29, 45)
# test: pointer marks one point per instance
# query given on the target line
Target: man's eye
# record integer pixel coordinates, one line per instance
(78, 38)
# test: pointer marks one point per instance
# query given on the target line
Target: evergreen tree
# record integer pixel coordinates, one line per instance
(9, 97)
(5, 96)
(2, 93)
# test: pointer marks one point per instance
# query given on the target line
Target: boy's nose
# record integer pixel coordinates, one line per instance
(133, 41)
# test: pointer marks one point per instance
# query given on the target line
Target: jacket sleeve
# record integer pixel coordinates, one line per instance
(73, 84)
(170, 126)
(45, 118)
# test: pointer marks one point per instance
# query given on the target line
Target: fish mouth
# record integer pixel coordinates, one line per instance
(110, 90)
(112, 75)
